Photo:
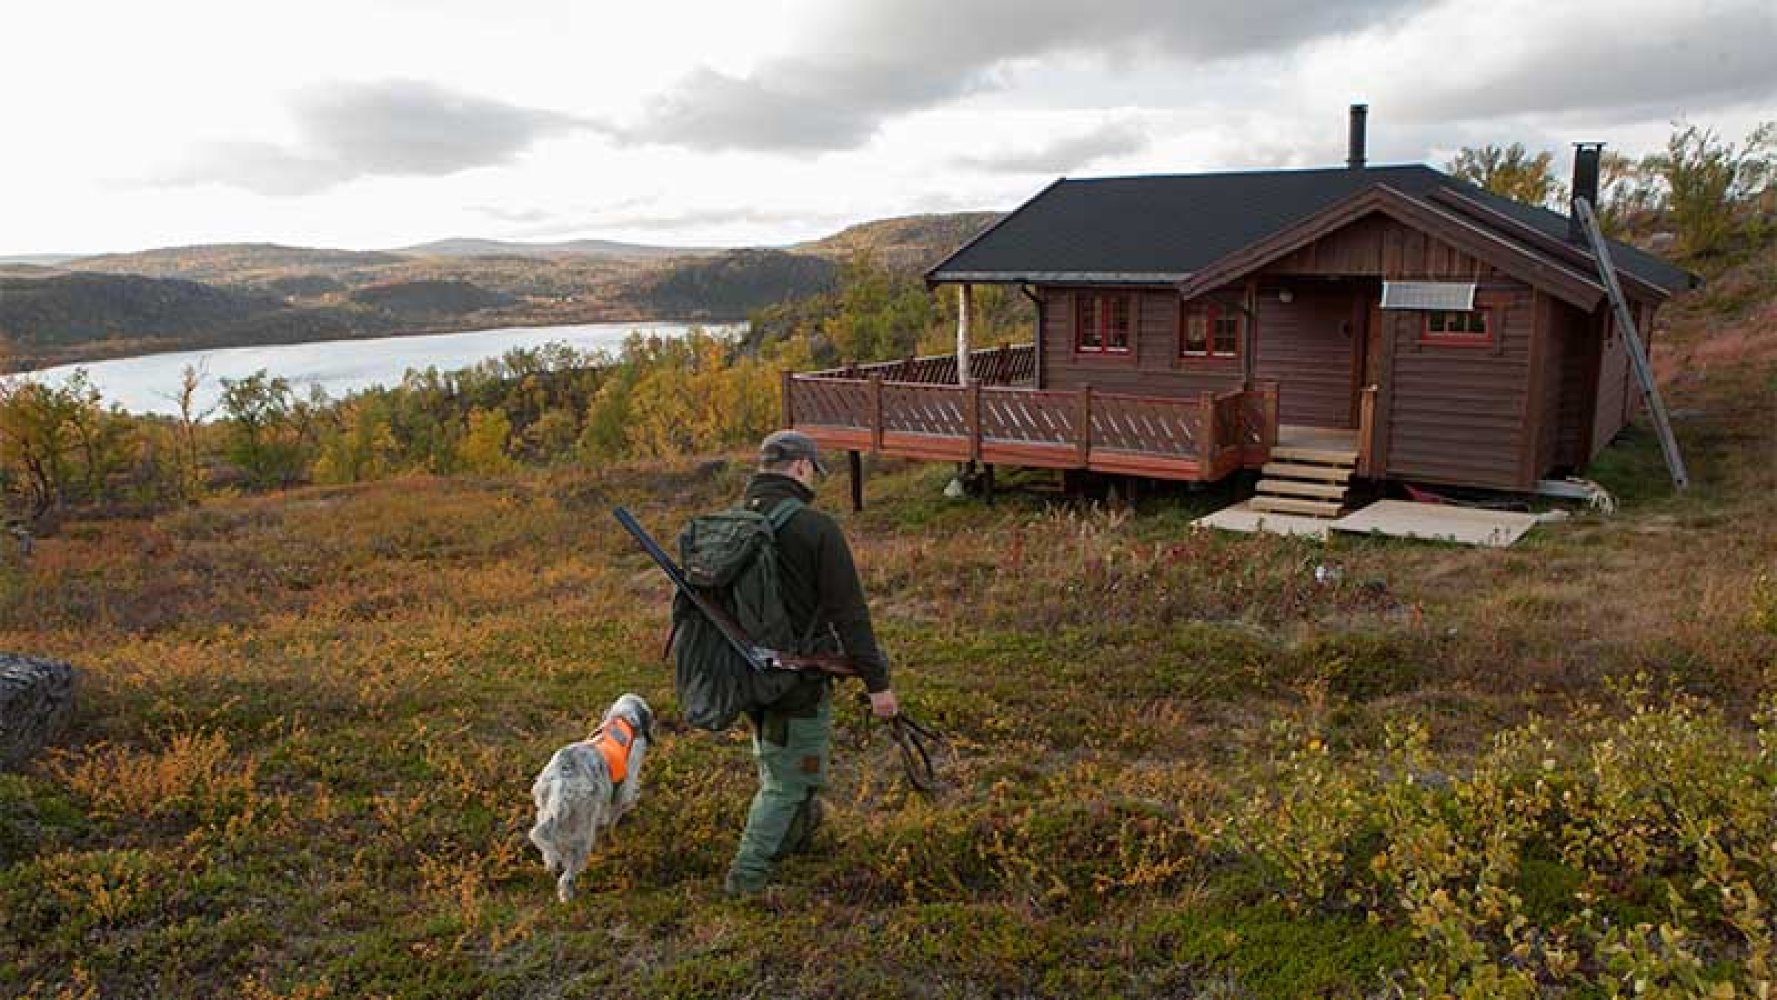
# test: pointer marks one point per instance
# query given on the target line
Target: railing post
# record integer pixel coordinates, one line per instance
(972, 412)
(1271, 417)
(1206, 432)
(876, 414)
(1083, 425)
(1366, 430)
(789, 407)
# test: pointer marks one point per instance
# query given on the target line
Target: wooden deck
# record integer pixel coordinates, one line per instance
(1201, 438)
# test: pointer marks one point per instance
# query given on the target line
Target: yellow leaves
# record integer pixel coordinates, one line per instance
(485, 449)
(105, 887)
(703, 406)
(255, 988)
(1761, 611)
(80, 985)
(194, 772)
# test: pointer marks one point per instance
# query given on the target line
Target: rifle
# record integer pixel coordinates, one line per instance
(911, 737)
(758, 657)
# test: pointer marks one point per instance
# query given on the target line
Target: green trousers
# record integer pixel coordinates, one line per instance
(793, 757)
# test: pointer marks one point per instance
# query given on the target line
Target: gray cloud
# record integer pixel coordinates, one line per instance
(1065, 153)
(692, 218)
(633, 215)
(1699, 55)
(402, 128)
(875, 59)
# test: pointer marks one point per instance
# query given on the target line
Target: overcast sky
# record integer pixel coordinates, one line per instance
(376, 123)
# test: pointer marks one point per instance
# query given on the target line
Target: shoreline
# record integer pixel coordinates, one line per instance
(131, 349)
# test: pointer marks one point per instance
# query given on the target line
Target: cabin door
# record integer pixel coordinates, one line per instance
(1313, 345)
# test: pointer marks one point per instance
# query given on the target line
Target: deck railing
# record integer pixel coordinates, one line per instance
(1202, 437)
(1008, 364)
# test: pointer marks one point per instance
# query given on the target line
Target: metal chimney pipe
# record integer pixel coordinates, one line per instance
(1354, 157)
(1586, 159)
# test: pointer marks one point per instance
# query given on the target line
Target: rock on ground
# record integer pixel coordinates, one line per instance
(36, 698)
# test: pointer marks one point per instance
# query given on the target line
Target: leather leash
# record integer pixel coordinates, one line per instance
(913, 742)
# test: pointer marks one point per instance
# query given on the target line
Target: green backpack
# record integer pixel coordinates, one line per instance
(731, 557)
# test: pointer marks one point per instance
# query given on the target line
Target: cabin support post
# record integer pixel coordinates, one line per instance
(964, 297)
(987, 483)
(855, 464)
(787, 403)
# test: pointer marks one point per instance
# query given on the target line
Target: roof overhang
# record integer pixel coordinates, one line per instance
(1548, 244)
(1534, 268)
(1056, 277)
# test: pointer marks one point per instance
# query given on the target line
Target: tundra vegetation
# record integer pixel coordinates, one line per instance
(1181, 764)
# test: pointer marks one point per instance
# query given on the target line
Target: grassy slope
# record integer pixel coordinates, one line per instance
(310, 721)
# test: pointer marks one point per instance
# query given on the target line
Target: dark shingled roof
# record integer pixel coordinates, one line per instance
(1151, 230)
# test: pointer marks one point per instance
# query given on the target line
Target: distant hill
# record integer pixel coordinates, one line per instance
(45, 321)
(241, 294)
(235, 263)
(913, 242)
(430, 298)
(572, 248)
(736, 283)
(39, 259)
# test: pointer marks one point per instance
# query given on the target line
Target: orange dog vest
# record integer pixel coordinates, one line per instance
(613, 741)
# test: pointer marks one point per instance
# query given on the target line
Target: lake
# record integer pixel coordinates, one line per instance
(150, 383)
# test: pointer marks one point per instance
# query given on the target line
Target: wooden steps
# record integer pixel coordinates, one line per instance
(1311, 491)
(1315, 456)
(1311, 482)
(1329, 509)
(1294, 470)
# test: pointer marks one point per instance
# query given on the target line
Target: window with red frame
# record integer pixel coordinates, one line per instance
(1473, 328)
(1211, 330)
(1102, 323)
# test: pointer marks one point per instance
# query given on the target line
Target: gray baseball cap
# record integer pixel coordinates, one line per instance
(787, 446)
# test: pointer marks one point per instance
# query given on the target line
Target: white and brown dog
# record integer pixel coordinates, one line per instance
(588, 786)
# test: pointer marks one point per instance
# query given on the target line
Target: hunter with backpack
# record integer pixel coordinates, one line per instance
(780, 574)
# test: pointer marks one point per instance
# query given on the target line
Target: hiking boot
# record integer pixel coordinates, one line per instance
(738, 887)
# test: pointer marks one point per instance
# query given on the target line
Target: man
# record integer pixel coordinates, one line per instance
(823, 597)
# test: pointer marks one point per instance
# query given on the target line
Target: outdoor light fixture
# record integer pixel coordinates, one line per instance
(1285, 295)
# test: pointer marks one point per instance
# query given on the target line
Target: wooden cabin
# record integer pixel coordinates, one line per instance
(1386, 322)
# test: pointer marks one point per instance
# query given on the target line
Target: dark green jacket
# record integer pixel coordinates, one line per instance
(820, 581)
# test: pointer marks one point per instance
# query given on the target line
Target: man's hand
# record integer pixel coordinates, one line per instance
(883, 704)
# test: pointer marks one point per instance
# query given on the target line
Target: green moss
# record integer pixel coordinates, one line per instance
(34, 818)
(1266, 951)
(1547, 888)
(1363, 665)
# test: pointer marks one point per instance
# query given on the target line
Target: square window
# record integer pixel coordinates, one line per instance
(1211, 331)
(1103, 323)
(1469, 328)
